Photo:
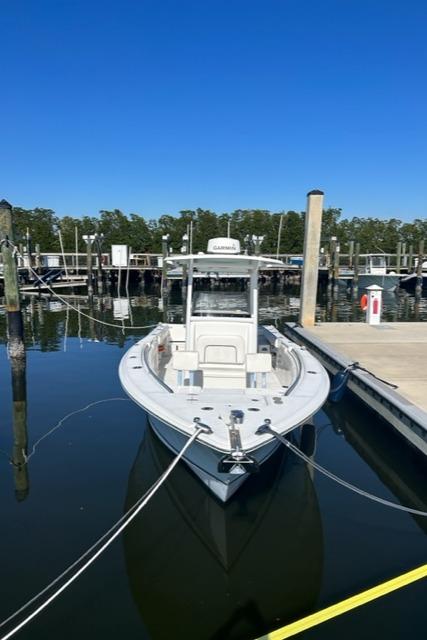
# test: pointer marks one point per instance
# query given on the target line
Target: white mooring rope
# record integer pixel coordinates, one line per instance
(344, 483)
(62, 420)
(124, 521)
(122, 326)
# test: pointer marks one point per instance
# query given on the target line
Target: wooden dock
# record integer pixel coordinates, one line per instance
(395, 352)
(69, 283)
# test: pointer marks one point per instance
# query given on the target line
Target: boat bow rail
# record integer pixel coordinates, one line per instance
(287, 406)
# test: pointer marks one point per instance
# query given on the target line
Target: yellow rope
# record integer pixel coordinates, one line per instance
(346, 605)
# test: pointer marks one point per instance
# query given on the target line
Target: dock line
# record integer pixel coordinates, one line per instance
(346, 605)
(265, 428)
(124, 521)
(356, 365)
(123, 327)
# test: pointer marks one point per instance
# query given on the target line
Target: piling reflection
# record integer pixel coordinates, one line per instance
(20, 435)
(242, 568)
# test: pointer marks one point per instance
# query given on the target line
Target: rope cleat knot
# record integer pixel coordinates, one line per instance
(264, 428)
(201, 425)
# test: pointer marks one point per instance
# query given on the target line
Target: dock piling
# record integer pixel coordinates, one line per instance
(332, 246)
(419, 284)
(165, 253)
(410, 258)
(398, 256)
(350, 253)
(29, 249)
(89, 239)
(11, 284)
(99, 239)
(356, 267)
(310, 271)
(38, 259)
(336, 267)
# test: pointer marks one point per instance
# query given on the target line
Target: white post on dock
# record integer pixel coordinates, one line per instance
(310, 270)
(373, 312)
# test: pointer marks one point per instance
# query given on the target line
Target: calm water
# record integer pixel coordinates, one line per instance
(289, 543)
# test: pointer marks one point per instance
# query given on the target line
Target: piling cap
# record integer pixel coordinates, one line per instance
(4, 204)
(315, 192)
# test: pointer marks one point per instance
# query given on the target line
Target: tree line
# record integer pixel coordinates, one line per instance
(145, 235)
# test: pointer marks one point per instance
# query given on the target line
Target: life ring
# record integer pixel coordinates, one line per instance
(364, 302)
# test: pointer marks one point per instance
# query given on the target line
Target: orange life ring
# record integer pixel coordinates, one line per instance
(364, 302)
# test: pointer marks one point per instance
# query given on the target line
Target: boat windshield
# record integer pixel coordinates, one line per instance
(221, 303)
(378, 261)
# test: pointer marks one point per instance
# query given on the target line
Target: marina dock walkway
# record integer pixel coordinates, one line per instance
(395, 352)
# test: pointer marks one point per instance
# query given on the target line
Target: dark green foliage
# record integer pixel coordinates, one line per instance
(143, 235)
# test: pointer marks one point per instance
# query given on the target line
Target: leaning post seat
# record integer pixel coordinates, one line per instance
(258, 363)
(183, 362)
(222, 349)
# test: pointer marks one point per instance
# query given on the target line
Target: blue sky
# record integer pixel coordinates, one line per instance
(153, 106)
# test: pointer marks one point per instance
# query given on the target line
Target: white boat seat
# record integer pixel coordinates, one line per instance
(258, 363)
(185, 361)
(217, 349)
(213, 370)
(222, 360)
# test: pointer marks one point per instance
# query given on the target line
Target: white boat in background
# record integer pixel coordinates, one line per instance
(224, 373)
(411, 281)
(374, 271)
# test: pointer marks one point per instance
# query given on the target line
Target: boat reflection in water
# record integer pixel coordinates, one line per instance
(200, 569)
(400, 467)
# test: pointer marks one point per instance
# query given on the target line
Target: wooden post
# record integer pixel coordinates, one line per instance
(38, 259)
(350, 253)
(419, 284)
(398, 256)
(410, 258)
(310, 271)
(336, 264)
(76, 240)
(64, 260)
(89, 239)
(403, 262)
(11, 287)
(128, 272)
(332, 250)
(29, 251)
(279, 236)
(99, 240)
(356, 266)
(89, 269)
(165, 253)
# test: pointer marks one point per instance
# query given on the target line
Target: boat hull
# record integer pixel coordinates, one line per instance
(388, 282)
(203, 460)
(409, 282)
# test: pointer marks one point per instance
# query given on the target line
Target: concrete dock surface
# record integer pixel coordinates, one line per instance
(396, 352)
